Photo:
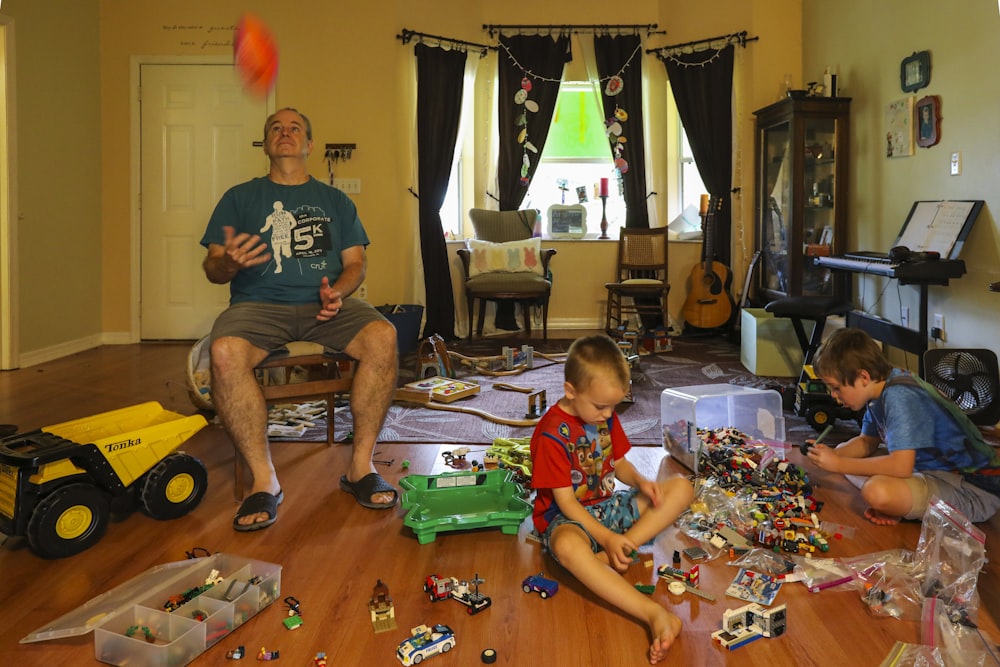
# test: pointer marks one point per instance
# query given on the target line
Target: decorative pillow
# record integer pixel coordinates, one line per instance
(510, 257)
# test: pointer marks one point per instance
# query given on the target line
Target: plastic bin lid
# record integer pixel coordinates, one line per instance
(93, 613)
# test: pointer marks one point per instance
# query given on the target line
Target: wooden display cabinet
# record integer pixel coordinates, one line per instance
(801, 157)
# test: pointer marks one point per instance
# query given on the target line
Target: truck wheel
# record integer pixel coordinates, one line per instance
(818, 418)
(69, 520)
(174, 487)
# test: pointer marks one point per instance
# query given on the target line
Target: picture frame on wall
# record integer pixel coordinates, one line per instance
(915, 71)
(928, 121)
(899, 128)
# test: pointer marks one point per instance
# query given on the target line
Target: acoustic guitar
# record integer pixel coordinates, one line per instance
(709, 304)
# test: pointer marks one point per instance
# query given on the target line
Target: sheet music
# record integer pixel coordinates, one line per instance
(935, 226)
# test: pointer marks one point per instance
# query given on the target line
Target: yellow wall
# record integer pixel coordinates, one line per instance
(342, 65)
(57, 227)
(866, 42)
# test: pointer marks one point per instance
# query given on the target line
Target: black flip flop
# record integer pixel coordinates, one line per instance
(366, 487)
(257, 503)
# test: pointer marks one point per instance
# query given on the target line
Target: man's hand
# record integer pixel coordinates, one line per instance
(243, 250)
(330, 301)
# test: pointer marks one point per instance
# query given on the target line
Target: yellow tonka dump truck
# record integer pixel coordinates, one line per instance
(58, 484)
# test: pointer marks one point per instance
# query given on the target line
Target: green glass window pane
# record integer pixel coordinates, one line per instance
(577, 129)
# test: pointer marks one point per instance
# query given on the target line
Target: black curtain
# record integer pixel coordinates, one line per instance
(612, 54)
(440, 75)
(703, 91)
(539, 59)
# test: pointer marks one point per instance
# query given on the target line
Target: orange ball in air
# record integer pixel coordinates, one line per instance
(255, 55)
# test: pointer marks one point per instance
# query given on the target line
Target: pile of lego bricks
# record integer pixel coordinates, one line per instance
(778, 491)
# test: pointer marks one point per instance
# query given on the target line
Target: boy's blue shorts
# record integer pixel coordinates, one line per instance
(616, 513)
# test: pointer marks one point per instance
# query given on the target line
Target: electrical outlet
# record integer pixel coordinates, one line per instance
(362, 292)
(937, 329)
(904, 316)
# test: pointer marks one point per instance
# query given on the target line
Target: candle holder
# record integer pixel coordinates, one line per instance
(604, 217)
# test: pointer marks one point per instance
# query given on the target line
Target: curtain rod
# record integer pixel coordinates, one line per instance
(740, 37)
(406, 36)
(649, 27)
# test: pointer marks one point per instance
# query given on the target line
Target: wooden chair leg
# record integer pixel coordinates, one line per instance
(482, 318)
(239, 475)
(331, 403)
(526, 307)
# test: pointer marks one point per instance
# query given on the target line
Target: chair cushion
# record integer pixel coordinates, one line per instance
(508, 283)
(510, 257)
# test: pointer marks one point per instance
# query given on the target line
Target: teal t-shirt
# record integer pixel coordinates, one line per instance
(305, 228)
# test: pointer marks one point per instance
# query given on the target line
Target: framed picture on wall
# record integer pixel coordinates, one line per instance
(915, 71)
(928, 121)
(899, 128)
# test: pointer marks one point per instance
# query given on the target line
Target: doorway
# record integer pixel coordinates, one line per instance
(199, 134)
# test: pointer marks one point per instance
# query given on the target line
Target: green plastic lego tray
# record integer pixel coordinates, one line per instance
(463, 500)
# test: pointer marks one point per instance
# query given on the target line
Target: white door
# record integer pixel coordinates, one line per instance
(198, 130)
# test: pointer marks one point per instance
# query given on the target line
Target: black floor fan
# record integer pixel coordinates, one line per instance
(969, 377)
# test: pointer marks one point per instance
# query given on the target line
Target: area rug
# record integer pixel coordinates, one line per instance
(690, 362)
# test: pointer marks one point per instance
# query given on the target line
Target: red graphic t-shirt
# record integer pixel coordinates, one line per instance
(565, 451)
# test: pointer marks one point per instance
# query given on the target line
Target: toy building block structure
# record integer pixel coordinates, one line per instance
(237, 653)
(538, 583)
(57, 484)
(443, 588)
(425, 642)
(536, 404)
(265, 655)
(382, 611)
(748, 623)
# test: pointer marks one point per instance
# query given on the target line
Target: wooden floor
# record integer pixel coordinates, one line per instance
(332, 552)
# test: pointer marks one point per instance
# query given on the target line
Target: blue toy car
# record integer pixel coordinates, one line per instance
(425, 642)
(537, 583)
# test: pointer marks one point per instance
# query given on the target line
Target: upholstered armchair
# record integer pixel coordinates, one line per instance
(504, 263)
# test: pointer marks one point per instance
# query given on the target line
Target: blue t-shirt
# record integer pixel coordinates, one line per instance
(305, 228)
(906, 417)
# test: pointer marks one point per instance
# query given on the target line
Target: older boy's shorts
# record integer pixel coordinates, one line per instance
(616, 513)
(269, 326)
(975, 502)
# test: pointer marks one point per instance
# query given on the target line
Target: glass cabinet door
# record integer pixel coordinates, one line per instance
(777, 212)
(818, 215)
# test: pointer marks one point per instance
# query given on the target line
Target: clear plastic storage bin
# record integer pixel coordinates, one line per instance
(684, 410)
(131, 625)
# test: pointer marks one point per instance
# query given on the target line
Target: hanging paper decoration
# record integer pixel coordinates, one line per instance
(614, 86)
(521, 99)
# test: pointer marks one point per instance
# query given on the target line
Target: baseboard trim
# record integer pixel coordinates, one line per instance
(69, 347)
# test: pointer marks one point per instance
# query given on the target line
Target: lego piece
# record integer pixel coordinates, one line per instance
(380, 607)
(425, 642)
(236, 654)
(442, 588)
(749, 623)
(538, 583)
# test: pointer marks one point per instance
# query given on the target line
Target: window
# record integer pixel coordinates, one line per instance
(575, 158)
(691, 185)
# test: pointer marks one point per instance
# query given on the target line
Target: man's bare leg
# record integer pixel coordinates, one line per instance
(572, 547)
(371, 395)
(240, 404)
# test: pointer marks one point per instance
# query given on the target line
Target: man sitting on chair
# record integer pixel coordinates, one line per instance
(303, 298)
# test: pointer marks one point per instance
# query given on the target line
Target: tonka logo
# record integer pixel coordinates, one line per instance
(124, 444)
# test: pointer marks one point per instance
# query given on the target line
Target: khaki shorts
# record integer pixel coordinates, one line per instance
(975, 503)
(270, 326)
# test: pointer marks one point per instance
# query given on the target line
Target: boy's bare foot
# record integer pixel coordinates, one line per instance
(664, 628)
(880, 519)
